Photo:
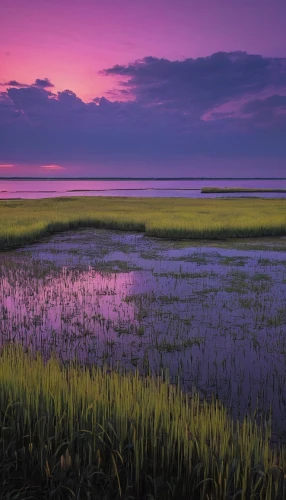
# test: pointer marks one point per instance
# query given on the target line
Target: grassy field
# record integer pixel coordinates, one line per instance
(241, 190)
(25, 221)
(73, 432)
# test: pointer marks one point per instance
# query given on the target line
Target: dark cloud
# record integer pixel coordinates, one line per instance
(41, 83)
(13, 83)
(164, 118)
(275, 102)
(198, 84)
(45, 83)
(270, 110)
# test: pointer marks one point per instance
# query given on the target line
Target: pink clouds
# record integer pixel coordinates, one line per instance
(72, 41)
(271, 98)
(151, 81)
(178, 111)
(52, 167)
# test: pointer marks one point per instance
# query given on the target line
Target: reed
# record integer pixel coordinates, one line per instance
(25, 221)
(85, 432)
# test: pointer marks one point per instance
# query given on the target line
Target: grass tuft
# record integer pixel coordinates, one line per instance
(76, 432)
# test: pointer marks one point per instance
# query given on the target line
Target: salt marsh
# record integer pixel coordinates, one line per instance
(214, 318)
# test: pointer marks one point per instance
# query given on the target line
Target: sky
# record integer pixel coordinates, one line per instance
(142, 88)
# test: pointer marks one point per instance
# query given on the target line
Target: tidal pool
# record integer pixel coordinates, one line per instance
(213, 318)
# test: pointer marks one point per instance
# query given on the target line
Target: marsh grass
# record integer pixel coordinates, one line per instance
(25, 221)
(241, 190)
(78, 432)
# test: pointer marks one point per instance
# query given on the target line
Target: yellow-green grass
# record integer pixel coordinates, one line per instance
(25, 221)
(241, 190)
(73, 431)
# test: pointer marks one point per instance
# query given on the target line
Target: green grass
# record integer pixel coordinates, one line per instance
(87, 433)
(241, 190)
(25, 221)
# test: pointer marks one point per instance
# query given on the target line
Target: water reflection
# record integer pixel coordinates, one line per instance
(51, 188)
(216, 319)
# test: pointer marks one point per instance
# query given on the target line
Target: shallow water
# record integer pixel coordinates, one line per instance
(215, 318)
(191, 188)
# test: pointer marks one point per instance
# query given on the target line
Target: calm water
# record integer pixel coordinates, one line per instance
(156, 188)
(214, 318)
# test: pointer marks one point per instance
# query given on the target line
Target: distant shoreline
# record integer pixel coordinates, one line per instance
(208, 190)
(142, 178)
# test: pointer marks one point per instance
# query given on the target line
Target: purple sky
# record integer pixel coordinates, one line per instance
(153, 87)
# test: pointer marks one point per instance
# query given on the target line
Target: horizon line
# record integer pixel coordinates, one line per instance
(138, 178)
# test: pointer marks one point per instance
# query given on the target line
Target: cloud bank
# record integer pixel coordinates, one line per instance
(227, 105)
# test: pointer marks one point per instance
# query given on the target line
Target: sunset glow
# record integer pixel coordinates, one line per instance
(106, 87)
(143, 249)
(52, 167)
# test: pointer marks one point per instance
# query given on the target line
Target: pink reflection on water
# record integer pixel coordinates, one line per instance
(145, 188)
(232, 301)
(73, 312)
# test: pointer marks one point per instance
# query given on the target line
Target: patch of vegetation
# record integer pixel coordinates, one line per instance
(117, 266)
(233, 261)
(72, 432)
(173, 218)
(241, 190)
(165, 346)
(261, 277)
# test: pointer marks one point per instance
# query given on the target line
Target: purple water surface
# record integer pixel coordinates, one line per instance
(144, 188)
(214, 318)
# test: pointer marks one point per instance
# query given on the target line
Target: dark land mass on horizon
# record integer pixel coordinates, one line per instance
(140, 178)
